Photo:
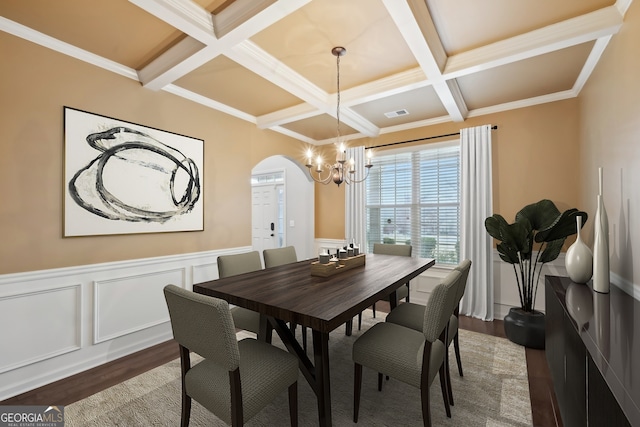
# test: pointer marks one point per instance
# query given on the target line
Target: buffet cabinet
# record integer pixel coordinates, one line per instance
(593, 352)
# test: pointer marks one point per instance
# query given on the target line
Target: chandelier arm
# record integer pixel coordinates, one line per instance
(319, 179)
(358, 181)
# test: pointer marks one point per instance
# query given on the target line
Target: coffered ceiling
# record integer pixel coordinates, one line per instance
(269, 62)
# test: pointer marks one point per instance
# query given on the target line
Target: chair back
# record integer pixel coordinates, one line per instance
(279, 256)
(231, 265)
(203, 324)
(388, 249)
(463, 268)
(440, 306)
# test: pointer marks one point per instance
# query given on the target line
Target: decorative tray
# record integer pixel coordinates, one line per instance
(335, 267)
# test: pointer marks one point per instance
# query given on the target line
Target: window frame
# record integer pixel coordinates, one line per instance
(443, 252)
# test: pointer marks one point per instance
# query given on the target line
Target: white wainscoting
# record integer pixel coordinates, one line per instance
(56, 323)
(59, 322)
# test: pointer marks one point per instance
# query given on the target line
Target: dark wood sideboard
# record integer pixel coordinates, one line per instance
(593, 351)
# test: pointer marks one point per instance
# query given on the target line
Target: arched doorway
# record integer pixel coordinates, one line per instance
(282, 206)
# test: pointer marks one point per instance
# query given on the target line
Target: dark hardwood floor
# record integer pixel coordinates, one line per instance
(66, 391)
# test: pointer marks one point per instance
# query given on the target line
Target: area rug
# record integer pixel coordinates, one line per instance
(493, 392)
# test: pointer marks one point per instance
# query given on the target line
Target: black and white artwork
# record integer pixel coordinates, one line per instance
(123, 178)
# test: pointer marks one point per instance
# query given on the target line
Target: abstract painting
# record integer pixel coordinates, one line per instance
(123, 178)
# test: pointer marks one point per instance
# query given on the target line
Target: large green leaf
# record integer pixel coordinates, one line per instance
(495, 226)
(541, 215)
(564, 227)
(518, 235)
(551, 251)
(507, 253)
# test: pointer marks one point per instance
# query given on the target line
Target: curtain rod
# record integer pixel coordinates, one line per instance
(420, 139)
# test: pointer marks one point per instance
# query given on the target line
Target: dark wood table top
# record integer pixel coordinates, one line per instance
(290, 293)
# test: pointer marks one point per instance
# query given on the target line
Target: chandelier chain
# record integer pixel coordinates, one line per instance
(338, 96)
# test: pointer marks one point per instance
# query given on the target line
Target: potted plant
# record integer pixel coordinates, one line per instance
(538, 226)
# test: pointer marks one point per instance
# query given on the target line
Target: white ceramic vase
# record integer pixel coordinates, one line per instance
(579, 258)
(601, 245)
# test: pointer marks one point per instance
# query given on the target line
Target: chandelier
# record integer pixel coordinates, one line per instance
(342, 170)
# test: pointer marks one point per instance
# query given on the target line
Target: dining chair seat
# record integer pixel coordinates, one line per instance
(234, 380)
(410, 315)
(399, 357)
(265, 372)
(411, 356)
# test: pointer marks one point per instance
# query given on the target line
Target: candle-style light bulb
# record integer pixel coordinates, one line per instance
(319, 160)
(309, 156)
(341, 153)
(369, 155)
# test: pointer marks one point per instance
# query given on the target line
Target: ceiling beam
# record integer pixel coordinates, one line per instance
(387, 86)
(414, 22)
(254, 58)
(56, 45)
(238, 22)
(581, 29)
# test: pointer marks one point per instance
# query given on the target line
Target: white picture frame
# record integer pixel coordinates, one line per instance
(124, 178)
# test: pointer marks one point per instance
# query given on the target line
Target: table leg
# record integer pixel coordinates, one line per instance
(323, 384)
(393, 300)
(316, 374)
(265, 331)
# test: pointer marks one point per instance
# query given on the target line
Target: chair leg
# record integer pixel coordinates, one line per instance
(426, 406)
(373, 307)
(348, 327)
(456, 347)
(186, 410)
(443, 386)
(448, 373)
(357, 385)
(379, 381)
(359, 320)
(293, 404)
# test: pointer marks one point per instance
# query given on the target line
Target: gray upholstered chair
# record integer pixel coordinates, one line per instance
(389, 249)
(235, 380)
(410, 315)
(280, 256)
(408, 355)
(232, 265)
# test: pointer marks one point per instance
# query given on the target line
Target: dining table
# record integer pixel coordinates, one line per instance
(290, 294)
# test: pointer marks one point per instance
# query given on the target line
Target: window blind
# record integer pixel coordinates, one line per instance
(413, 198)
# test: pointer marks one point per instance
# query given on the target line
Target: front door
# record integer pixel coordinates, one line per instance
(267, 215)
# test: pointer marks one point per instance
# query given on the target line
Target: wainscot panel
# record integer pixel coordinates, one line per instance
(49, 325)
(57, 323)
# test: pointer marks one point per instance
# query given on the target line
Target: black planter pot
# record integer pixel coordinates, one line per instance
(525, 328)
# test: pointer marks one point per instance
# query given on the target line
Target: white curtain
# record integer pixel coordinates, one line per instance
(476, 204)
(355, 216)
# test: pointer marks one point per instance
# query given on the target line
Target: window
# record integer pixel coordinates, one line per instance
(413, 198)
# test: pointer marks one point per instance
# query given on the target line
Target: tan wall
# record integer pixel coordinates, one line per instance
(34, 86)
(610, 137)
(535, 156)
